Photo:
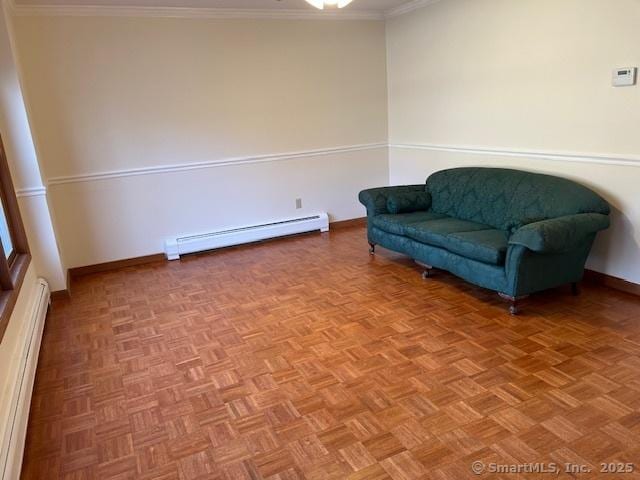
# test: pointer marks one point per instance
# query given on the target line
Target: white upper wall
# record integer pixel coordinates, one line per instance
(23, 162)
(526, 74)
(532, 76)
(111, 93)
(14, 126)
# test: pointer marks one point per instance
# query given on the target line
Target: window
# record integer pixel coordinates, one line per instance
(5, 236)
(14, 251)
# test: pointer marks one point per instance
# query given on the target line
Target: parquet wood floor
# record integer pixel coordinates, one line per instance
(307, 358)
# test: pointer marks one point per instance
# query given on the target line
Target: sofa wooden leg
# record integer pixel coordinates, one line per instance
(514, 302)
(372, 248)
(428, 269)
(575, 289)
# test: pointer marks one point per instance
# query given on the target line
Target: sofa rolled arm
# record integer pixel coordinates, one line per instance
(559, 234)
(375, 199)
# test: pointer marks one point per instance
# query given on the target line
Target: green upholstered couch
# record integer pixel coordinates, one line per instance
(511, 231)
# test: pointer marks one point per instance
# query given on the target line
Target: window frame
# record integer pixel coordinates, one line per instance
(14, 268)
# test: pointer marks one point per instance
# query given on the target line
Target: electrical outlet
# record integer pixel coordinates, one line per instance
(298, 203)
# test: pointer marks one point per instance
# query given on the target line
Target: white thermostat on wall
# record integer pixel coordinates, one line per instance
(624, 77)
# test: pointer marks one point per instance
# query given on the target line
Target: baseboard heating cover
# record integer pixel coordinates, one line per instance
(19, 393)
(174, 247)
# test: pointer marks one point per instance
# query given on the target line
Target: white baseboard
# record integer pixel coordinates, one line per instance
(19, 394)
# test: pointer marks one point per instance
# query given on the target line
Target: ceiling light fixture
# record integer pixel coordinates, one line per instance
(329, 3)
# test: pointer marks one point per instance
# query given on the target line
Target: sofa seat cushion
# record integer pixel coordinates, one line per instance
(488, 246)
(468, 239)
(435, 232)
(396, 223)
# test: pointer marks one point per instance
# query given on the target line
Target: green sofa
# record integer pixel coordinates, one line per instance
(511, 231)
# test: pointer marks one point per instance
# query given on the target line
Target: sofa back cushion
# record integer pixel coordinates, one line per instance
(407, 202)
(507, 199)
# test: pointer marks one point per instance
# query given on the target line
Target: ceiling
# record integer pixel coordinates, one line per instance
(377, 6)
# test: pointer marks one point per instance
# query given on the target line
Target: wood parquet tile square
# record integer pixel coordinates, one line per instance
(305, 358)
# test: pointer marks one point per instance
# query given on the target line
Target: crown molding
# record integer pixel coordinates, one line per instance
(184, 12)
(408, 7)
(202, 12)
(9, 5)
(225, 162)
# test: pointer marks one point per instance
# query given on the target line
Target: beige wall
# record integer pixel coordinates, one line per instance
(527, 75)
(109, 94)
(23, 162)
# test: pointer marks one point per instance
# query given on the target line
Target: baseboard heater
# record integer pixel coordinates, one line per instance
(174, 247)
(18, 393)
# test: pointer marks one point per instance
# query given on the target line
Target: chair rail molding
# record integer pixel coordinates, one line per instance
(563, 156)
(224, 162)
(31, 192)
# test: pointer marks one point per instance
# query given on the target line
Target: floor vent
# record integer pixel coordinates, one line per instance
(174, 247)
